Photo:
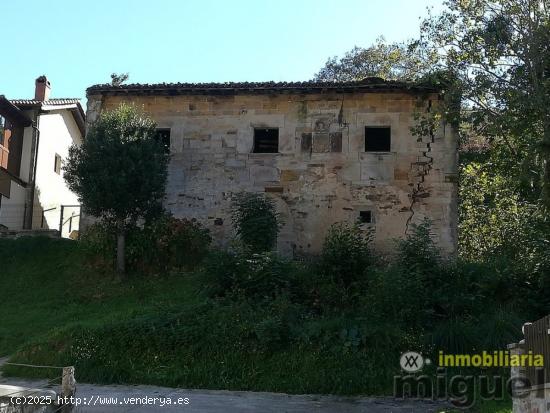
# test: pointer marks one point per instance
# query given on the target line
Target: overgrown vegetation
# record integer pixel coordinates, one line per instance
(251, 321)
(491, 60)
(160, 245)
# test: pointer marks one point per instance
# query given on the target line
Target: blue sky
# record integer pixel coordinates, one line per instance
(77, 44)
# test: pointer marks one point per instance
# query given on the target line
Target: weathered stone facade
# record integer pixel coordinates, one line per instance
(321, 173)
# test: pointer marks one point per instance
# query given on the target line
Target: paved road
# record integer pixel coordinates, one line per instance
(149, 399)
(205, 401)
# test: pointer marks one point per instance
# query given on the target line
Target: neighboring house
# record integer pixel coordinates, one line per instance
(35, 136)
(326, 152)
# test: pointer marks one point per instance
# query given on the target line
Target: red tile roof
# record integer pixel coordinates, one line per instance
(76, 110)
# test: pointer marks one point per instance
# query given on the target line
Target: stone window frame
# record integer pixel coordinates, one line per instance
(371, 126)
(368, 218)
(265, 127)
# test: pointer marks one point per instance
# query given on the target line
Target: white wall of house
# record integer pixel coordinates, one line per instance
(12, 209)
(58, 131)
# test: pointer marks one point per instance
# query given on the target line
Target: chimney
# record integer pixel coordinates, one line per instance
(42, 88)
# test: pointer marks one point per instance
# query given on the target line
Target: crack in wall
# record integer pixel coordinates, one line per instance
(422, 169)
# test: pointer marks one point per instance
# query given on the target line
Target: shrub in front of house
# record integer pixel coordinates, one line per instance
(98, 244)
(261, 322)
(168, 243)
(242, 274)
(256, 221)
(163, 244)
(346, 257)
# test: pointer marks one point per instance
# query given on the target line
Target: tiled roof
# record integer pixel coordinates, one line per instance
(8, 108)
(371, 83)
(50, 102)
(77, 111)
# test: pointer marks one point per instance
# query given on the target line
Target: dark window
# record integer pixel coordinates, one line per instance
(163, 136)
(336, 141)
(306, 142)
(266, 140)
(57, 164)
(365, 217)
(377, 139)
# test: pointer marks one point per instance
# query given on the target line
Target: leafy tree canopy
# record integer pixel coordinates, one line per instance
(391, 61)
(120, 170)
(118, 79)
(499, 50)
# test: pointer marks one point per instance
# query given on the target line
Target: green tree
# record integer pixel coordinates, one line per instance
(393, 61)
(119, 172)
(500, 51)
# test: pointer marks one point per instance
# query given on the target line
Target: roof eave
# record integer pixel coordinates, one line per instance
(14, 112)
(80, 118)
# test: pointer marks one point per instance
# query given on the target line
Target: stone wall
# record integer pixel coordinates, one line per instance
(321, 174)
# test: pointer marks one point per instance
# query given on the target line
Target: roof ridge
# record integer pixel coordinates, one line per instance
(62, 99)
(366, 83)
(53, 101)
(48, 100)
(367, 80)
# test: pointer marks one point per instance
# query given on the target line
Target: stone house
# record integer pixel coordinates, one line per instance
(35, 136)
(326, 152)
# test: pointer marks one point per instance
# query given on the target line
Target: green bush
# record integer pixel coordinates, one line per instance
(98, 242)
(268, 323)
(418, 251)
(256, 221)
(169, 243)
(250, 275)
(161, 245)
(346, 257)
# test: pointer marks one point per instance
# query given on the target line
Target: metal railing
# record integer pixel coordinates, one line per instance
(64, 218)
(42, 221)
(71, 220)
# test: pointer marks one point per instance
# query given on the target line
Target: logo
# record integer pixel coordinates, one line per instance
(411, 361)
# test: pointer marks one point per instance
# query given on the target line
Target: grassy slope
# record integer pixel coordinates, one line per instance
(51, 301)
(45, 285)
